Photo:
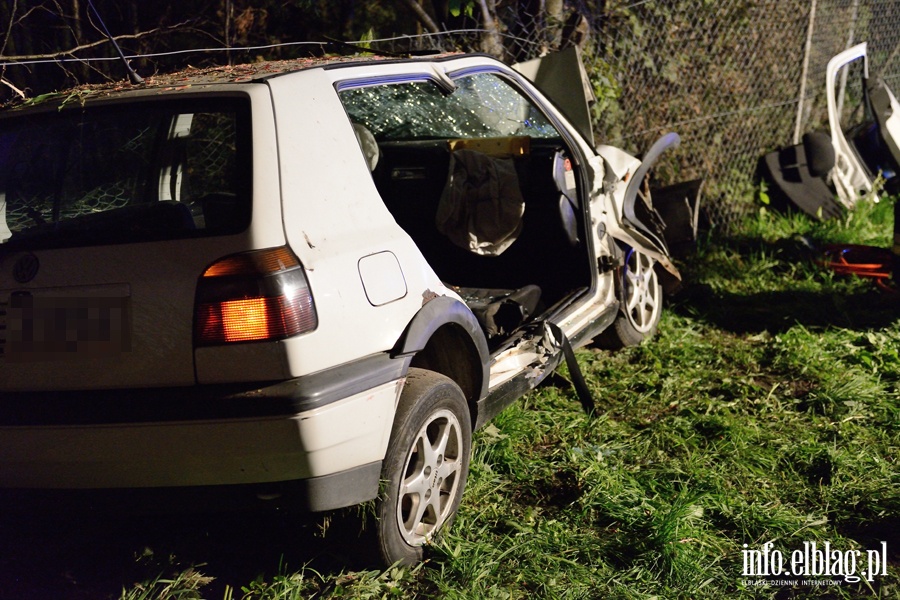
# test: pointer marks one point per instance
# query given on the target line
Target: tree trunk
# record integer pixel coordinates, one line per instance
(82, 72)
(424, 18)
(7, 14)
(553, 17)
(229, 16)
(76, 22)
(490, 41)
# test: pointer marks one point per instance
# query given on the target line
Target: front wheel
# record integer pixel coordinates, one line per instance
(642, 299)
(425, 468)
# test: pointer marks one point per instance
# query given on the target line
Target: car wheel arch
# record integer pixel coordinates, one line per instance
(445, 337)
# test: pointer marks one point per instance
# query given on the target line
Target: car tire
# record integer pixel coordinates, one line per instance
(641, 297)
(424, 471)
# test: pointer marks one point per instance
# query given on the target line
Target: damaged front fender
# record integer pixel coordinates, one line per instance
(649, 222)
(638, 224)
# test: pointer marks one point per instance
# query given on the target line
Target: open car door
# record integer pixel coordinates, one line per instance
(864, 132)
(830, 171)
(850, 177)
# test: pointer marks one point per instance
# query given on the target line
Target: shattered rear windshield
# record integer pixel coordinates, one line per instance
(146, 171)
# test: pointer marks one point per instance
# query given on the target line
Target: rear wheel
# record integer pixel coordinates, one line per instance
(642, 300)
(425, 469)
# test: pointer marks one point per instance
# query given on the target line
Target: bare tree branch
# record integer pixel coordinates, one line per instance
(33, 9)
(9, 26)
(13, 88)
(81, 47)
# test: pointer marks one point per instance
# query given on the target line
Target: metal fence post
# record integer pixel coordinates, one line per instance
(840, 95)
(801, 100)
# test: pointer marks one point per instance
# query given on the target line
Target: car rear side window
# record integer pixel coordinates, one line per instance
(145, 171)
(482, 105)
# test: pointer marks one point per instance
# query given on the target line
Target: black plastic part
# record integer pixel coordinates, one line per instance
(791, 184)
(501, 311)
(642, 222)
(679, 208)
(437, 312)
(581, 388)
(880, 101)
(346, 488)
(895, 249)
(819, 153)
(201, 402)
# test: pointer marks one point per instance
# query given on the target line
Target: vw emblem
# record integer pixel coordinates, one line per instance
(26, 268)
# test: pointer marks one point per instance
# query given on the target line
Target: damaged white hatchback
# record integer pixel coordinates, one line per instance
(306, 280)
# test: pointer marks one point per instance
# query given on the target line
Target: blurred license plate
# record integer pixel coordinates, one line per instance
(64, 327)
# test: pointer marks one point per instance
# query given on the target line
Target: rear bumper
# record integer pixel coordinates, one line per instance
(318, 444)
(346, 488)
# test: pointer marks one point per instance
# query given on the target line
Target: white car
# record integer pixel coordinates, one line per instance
(304, 278)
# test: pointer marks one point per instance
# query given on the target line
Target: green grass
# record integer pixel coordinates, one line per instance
(767, 409)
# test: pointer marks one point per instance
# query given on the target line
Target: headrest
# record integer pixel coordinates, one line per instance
(368, 144)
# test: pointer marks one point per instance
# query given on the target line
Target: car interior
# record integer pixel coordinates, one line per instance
(542, 259)
(485, 185)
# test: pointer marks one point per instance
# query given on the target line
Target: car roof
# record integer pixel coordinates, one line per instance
(193, 78)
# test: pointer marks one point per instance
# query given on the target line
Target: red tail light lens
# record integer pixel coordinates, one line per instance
(255, 296)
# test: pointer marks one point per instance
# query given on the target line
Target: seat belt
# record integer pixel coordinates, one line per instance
(581, 388)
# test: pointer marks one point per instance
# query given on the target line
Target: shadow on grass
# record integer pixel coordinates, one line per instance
(778, 311)
(94, 555)
(871, 534)
(865, 307)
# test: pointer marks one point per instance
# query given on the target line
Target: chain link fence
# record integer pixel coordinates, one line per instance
(734, 78)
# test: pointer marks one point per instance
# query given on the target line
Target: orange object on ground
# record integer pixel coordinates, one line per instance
(863, 261)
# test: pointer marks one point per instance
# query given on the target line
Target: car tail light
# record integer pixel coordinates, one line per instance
(254, 296)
